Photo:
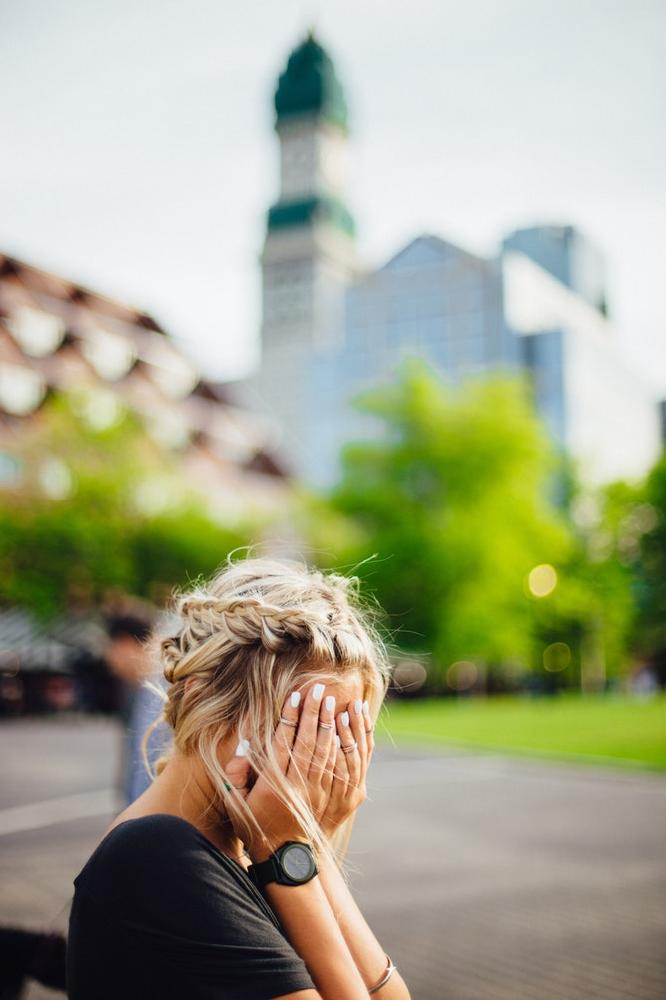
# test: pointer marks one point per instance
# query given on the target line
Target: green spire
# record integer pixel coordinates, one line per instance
(309, 86)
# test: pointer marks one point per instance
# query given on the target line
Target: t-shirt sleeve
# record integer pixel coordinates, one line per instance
(180, 910)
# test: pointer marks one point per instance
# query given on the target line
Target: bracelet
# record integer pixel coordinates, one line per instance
(390, 969)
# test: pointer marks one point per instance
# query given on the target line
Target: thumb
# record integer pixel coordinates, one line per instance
(238, 769)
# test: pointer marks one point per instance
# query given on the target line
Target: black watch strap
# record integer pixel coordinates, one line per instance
(293, 863)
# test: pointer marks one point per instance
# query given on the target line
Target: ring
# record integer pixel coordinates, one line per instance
(348, 749)
(326, 725)
(370, 729)
(288, 722)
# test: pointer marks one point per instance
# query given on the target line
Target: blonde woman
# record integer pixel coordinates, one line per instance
(223, 881)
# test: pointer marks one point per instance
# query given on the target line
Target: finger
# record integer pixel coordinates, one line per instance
(349, 749)
(369, 729)
(306, 734)
(238, 768)
(340, 772)
(329, 767)
(325, 734)
(355, 709)
(285, 733)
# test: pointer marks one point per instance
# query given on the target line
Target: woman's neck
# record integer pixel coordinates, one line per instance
(184, 789)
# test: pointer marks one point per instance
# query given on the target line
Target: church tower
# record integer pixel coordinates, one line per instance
(308, 258)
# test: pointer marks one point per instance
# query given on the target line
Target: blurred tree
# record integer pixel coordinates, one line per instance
(649, 522)
(101, 507)
(454, 498)
(593, 608)
(447, 513)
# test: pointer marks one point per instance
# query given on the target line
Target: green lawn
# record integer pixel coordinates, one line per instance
(608, 729)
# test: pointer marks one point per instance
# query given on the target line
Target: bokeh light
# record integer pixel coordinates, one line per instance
(556, 657)
(542, 580)
(409, 676)
(462, 675)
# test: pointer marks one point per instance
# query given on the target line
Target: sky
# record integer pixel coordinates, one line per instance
(139, 158)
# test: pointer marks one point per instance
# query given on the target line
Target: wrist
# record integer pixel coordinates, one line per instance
(262, 851)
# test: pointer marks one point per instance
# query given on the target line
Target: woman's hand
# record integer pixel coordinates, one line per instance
(350, 768)
(304, 746)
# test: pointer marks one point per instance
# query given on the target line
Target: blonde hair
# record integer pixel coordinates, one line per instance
(259, 628)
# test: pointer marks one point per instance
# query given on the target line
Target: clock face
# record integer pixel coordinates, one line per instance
(297, 862)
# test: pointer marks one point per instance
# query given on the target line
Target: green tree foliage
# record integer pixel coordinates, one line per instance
(102, 509)
(650, 521)
(454, 499)
(452, 505)
(593, 608)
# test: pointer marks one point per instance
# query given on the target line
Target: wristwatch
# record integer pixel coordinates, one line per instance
(293, 863)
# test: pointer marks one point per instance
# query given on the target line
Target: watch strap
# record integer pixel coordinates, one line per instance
(263, 872)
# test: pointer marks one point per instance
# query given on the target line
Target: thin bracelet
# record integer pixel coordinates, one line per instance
(390, 969)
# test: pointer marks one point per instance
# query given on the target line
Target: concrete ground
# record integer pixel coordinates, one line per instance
(485, 878)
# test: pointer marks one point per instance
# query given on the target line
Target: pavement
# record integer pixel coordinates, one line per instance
(484, 877)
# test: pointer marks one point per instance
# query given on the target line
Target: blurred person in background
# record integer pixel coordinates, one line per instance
(224, 877)
(38, 954)
(129, 662)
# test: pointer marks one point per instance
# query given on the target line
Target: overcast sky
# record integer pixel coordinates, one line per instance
(138, 155)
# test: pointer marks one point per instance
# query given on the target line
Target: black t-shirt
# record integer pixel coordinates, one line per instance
(160, 912)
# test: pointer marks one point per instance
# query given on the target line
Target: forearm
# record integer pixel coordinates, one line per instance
(308, 921)
(368, 954)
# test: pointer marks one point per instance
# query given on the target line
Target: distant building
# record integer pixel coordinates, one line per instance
(56, 336)
(330, 329)
(309, 255)
(563, 252)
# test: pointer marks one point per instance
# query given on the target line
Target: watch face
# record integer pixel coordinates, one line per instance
(297, 862)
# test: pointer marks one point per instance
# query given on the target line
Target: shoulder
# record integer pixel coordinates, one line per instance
(169, 891)
(149, 839)
(159, 856)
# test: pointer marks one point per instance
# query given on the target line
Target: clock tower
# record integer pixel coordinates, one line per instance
(308, 257)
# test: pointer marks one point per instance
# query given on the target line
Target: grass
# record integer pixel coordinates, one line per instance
(605, 729)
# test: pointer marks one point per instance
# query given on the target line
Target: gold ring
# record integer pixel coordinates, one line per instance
(348, 749)
(288, 722)
(326, 725)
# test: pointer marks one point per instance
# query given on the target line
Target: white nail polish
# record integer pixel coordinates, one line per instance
(317, 691)
(366, 709)
(330, 702)
(241, 749)
(295, 699)
(344, 718)
(358, 705)
(337, 741)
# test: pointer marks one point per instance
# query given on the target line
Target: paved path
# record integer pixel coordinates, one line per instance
(485, 878)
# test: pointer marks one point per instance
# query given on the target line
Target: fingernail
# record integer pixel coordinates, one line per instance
(366, 709)
(295, 699)
(330, 702)
(317, 691)
(358, 705)
(344, 718)
(337, 741)
(241, 749)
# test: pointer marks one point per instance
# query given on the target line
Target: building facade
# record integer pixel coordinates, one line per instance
(331, 329)
(59, 338)
(309, 255)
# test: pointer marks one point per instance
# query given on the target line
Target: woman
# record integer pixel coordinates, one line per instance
(221, 881)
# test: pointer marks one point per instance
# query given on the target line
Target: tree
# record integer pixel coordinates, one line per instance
(649, 524)
(456, 499)
(102, 508)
